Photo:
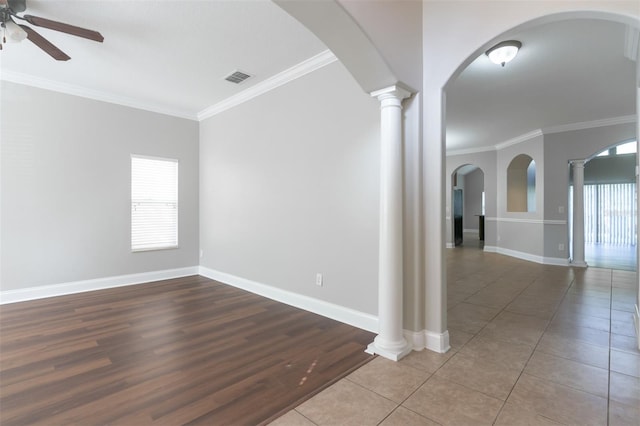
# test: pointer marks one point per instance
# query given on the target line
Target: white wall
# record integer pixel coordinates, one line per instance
(289, 188)
(65, 185)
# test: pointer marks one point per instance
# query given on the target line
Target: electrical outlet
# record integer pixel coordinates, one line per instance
(560, 209)
(319, 279)
(561, 247)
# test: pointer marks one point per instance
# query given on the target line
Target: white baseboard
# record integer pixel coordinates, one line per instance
(558, 261)
(450, 245)
(339, 313)
(471, 231)
(40, 292)
(425, 339)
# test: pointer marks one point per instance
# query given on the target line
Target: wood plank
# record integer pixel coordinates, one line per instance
(182, 351)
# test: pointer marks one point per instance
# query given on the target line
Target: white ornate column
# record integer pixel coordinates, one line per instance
(390, 342)
(577, 166)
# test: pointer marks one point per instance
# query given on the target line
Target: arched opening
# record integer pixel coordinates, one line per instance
(468, 199)
(501, 110)
(521, 184)
(610, 219)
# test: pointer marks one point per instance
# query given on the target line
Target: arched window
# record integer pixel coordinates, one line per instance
(521, 184)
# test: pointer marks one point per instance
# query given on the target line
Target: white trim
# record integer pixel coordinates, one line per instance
(393, 355)
(581, 264)
(518, 139)
(626, 119)
(97, 95)
(32, 293)
(416, 339)
(557, 261)
(425, 339)
(523, 220)
(437, 342)
(305, 67)
(466, 151)
(339, 313)
(450, 245)
(471, 231)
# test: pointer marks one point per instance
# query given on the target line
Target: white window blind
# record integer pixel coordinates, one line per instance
(610, 213)
(154, 203)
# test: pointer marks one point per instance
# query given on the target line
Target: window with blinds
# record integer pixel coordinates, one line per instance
(154, 203)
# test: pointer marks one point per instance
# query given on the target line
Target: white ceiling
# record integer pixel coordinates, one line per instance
(171, 56)
(566, 72)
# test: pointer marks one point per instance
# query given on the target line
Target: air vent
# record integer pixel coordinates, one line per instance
(237, 77)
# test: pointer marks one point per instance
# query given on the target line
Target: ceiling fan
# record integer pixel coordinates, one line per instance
(9, 10)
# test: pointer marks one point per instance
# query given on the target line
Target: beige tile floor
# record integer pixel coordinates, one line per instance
(531, 345)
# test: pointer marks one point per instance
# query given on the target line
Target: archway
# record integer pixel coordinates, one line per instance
(441, 63)
(610, 226)
(468, 201)
(440, 110)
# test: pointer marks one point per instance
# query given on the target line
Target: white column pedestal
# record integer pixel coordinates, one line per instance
(390, 342)
(577, 167)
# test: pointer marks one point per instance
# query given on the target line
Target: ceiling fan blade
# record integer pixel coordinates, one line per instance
(65, 28)
(45, 44)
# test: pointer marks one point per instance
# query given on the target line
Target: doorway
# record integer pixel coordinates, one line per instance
(468, 202)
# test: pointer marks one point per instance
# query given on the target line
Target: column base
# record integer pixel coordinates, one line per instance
(578, 264)
(425, 339)
(394, 353)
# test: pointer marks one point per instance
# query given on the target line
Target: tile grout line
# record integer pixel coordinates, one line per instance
(534, 350)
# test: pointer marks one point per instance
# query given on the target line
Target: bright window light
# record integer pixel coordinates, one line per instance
(154, 203)
(627, 148)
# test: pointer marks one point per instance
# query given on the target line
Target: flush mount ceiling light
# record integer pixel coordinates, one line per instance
(504, 52)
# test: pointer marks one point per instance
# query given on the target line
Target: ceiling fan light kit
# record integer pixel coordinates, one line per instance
(14, 32)
(504, 52)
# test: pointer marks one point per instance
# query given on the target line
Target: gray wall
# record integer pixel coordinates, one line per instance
(473, 187)
(521, 231)
(486, 161)
(289, 188)
(65, 185)
(559, 149)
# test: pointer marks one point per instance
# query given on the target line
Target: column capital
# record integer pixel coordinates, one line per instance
(577, 163)
(397, 91)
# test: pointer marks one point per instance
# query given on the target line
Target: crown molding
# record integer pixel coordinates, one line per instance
(83, 92)
(465, 151)
(519, 139)
(305, 67)
(625, 119)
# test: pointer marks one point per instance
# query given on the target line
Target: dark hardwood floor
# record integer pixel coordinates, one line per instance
(182, 351)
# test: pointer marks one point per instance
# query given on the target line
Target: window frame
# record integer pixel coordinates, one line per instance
(147, 248)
